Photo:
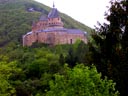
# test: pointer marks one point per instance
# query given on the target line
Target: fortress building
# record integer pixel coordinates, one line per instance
(49, 30)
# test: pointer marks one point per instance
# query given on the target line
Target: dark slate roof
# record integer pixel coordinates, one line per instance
(43, 18)
(75, 31)
(54, 29)
(53, 13)
(29, 33)
(69, 31)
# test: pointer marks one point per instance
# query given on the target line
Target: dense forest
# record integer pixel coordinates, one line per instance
(99, 68)
(61, 70)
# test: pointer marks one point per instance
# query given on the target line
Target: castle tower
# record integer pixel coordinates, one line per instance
(54, 19)
(43, 21)
(33, 26)
(53, 4)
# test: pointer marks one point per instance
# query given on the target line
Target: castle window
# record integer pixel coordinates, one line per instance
(70, 41)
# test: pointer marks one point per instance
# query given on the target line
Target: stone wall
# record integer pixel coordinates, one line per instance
(53, 38)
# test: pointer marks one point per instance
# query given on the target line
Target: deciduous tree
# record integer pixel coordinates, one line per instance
(81, 81)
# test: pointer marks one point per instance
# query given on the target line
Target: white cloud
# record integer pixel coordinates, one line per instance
(85, 11)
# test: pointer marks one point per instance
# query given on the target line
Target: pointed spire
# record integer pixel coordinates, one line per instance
(53, 4)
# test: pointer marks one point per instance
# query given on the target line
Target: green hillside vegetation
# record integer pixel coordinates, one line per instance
(16, 20)
(32, 71)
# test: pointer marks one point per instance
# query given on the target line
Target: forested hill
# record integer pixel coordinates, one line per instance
(16, 19)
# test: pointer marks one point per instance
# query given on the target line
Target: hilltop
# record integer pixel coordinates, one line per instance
(17, 16)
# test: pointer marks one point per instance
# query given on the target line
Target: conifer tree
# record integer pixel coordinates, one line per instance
(110, 53)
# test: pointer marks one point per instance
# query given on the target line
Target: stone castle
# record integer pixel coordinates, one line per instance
(49, 30)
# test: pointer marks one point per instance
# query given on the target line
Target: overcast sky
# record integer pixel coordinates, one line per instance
(85, 11)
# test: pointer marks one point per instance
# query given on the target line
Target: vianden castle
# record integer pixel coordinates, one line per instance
(49, 30)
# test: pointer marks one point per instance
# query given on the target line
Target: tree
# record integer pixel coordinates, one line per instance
(81, 52)
(110, 50)
(81, 81)
(5, 87)
(6, 70)
(61, 59)
(71, 58)
(77, 53)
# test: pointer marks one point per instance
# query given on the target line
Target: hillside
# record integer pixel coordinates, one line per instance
(16, 19)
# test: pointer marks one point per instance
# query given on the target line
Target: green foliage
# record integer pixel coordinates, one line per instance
(81, 81)
(28, 70)
(5, 87)
(6, 71)
(37, 68)
(109, 52)
(78, 53)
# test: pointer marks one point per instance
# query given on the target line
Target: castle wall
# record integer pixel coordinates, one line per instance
(61, 38)
(42, 37)
(53, 38)
(72, 38)
(29, 39)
